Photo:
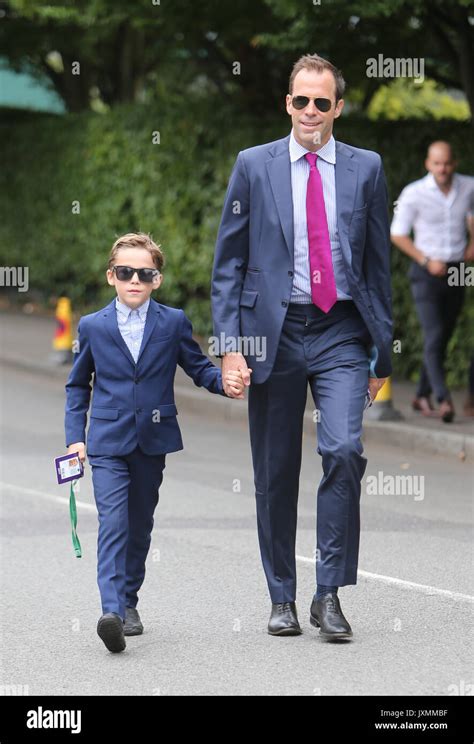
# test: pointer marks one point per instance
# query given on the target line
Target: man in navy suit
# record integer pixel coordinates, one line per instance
(302, 265)
(132, 347)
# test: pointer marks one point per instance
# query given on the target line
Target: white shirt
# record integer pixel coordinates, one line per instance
(326, 164)
(131, 325)
(439, 221)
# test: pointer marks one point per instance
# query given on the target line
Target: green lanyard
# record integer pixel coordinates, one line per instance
(73, 515)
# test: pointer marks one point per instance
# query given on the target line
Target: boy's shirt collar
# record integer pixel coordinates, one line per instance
(125, 310)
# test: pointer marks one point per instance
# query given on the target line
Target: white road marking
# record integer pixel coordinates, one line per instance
(47, 496)
(424, 588)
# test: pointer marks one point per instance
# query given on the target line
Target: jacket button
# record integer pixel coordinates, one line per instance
(139, 410)
(284, 303)
(136, 380)
(290, 273)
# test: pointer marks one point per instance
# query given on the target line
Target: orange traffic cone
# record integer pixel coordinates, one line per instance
(62, 341)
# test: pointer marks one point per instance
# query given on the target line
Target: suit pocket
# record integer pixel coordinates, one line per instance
(159, 340)
(248, 298)
(105, 413)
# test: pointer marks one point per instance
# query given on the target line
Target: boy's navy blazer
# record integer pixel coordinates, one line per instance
(133, 403)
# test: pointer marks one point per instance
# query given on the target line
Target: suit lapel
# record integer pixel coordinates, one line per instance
(346, 172)
(346, 175)
(110, 322)
(151, 321)
(279, 173)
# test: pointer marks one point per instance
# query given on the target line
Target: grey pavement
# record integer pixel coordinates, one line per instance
(204, 602)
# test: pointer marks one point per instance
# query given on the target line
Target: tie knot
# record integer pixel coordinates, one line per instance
(311, 158)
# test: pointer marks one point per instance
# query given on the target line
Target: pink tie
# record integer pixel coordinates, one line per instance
(323, 283)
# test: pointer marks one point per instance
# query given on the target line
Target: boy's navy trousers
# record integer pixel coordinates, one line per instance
(126, 490)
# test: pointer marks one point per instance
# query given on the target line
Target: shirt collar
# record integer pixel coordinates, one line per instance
(327, 152)
(431, 183)
(125, 310)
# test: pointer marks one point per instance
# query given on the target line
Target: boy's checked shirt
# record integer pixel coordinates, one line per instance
(131, 325)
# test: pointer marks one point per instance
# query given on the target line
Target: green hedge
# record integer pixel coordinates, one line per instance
(174, 190)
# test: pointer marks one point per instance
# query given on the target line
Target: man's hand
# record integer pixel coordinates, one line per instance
(78, 447)
(375, 383)
(469, 253)
(436, 268)
(235, 362)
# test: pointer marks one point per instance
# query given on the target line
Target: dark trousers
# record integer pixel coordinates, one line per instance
(438, 306)
(126, 491)
(330, 351)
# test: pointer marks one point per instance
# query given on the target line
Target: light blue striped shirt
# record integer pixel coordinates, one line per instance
(326, 161)
(131, 325)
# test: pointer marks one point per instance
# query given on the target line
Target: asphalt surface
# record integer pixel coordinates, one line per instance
(204, 602)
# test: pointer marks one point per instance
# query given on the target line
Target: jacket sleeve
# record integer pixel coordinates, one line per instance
(196, 364)
(231, 257)
(377, 273)
(78, 389)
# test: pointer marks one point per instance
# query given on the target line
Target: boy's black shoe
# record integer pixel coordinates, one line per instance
(133, 624)
(110, 629)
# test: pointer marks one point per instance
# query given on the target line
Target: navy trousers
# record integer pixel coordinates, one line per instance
(126, 491)
(438, 305)
(330, 351)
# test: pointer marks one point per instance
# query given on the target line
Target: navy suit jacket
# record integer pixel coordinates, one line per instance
(133, 403)
(253, 262)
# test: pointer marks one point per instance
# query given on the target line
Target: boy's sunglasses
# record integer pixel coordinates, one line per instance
(125, 273)
(300, 102)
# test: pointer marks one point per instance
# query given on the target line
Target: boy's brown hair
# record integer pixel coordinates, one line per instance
(137, 240)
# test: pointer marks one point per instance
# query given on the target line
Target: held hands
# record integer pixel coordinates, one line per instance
(235, 375)
(78, 447)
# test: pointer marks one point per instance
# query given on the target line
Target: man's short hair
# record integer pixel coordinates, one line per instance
(318, 64)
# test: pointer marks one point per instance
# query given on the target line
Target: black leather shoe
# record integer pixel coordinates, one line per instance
(284, 620)
(326, 614)
(110, 629)
(133, 624)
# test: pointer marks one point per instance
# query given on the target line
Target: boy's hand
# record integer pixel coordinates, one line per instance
(234, 384)
(78, 447)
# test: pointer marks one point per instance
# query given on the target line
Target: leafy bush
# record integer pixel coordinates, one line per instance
(122, 181)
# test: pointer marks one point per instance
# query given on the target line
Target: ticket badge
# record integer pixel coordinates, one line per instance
(68, 468)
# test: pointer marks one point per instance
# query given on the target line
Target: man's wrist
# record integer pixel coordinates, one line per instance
(424, 261)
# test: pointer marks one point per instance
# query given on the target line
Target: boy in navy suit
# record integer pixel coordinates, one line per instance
(132, 347)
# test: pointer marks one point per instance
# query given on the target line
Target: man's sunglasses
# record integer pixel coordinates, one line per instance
(125, 273)
(300, 102)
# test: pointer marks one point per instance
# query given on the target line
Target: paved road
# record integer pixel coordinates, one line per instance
(204, 602)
